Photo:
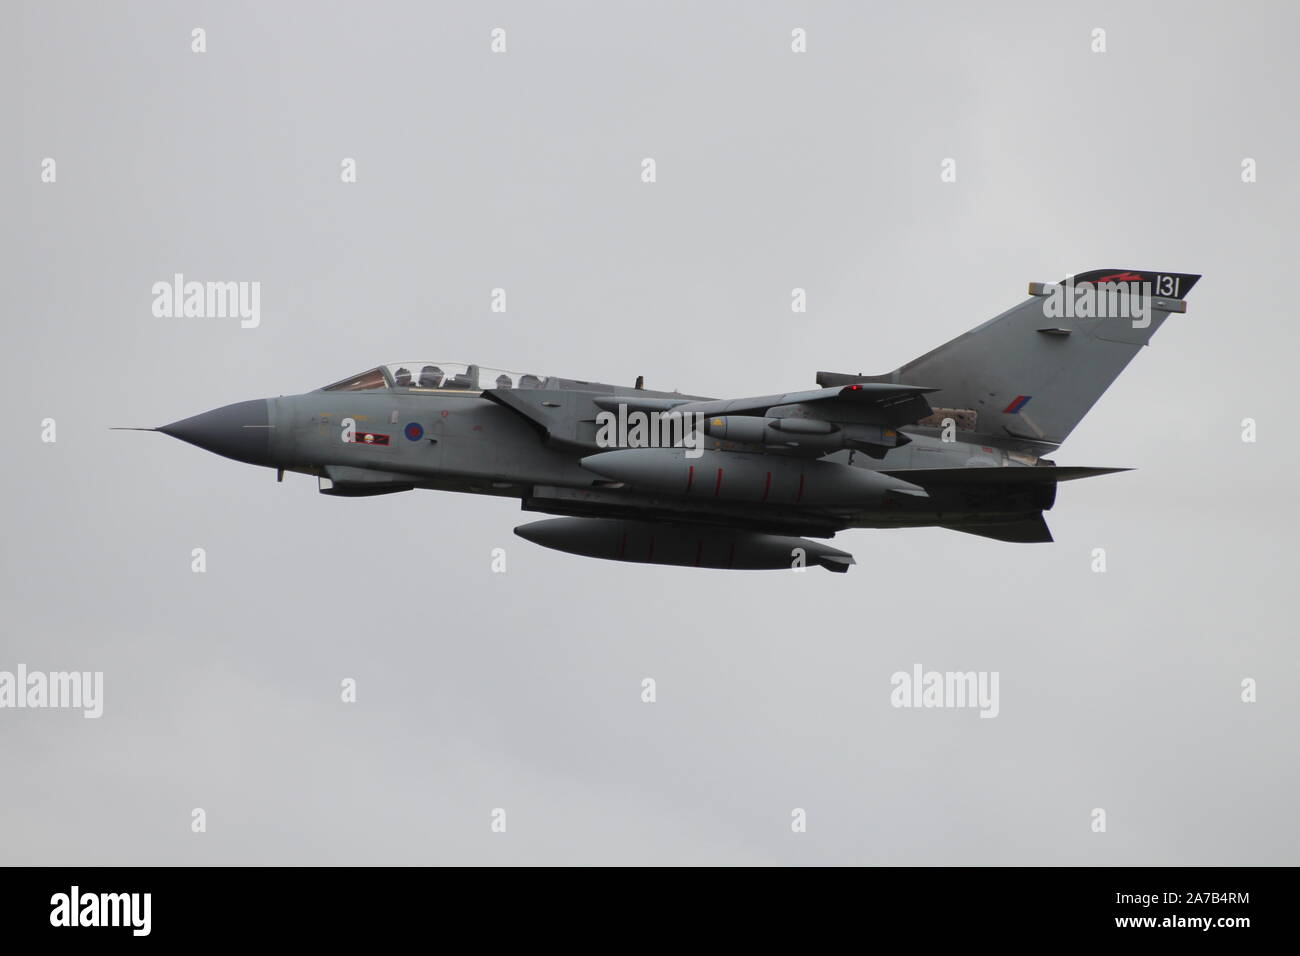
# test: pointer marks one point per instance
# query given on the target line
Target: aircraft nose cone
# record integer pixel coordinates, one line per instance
(241, 431)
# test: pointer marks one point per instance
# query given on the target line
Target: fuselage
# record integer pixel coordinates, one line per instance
(387, 437)
(950, 439)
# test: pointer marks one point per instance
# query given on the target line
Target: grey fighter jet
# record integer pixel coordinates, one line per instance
(953, 439)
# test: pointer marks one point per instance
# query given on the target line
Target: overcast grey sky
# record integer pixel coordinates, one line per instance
(522, 171)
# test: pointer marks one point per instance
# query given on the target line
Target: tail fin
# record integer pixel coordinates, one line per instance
(1028, 376)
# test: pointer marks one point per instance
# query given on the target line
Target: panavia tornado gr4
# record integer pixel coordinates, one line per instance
(953, 439)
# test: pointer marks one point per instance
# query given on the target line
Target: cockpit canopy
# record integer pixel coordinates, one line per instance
(436, 376)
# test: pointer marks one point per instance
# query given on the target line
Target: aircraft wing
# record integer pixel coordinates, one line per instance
(883, 403)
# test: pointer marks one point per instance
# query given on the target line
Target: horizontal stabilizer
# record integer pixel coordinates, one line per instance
(1024, 531)
(1042, 474)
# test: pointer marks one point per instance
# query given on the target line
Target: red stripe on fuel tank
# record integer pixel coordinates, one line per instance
(767, 486)
(690, 478)
(799, 495)
(717, 485)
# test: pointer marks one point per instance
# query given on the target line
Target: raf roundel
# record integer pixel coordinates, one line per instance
(414, 431)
